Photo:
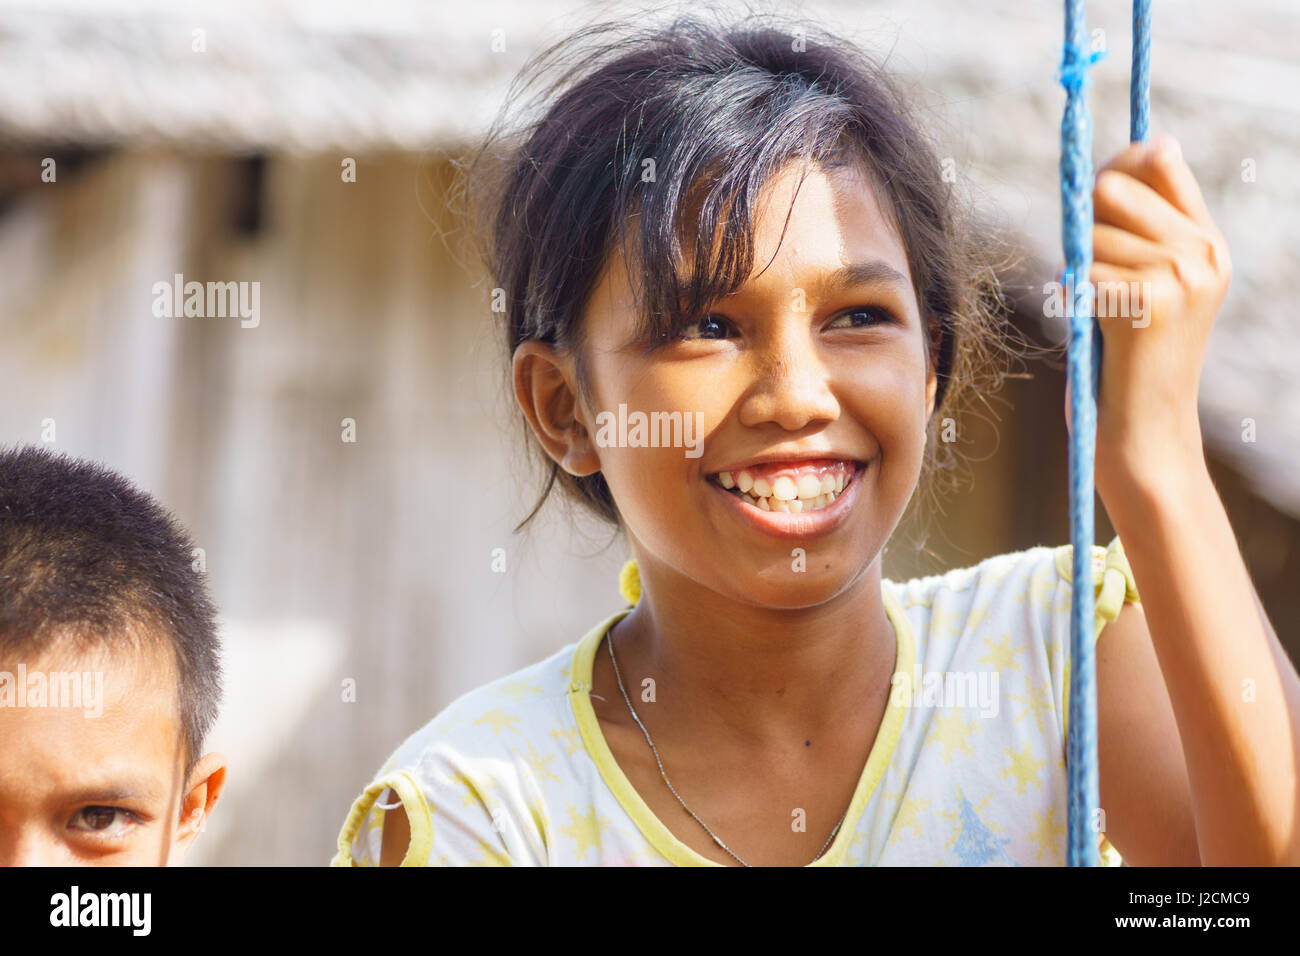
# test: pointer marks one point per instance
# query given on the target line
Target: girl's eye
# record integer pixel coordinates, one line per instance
(104, 821)
(860, 318)
(709, 327)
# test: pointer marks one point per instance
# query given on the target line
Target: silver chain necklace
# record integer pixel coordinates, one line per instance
(655, 751)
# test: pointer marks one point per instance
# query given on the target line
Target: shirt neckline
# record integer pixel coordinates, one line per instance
(660, 837)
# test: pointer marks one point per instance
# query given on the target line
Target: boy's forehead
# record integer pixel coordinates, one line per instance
(137, 656)
(88, 715)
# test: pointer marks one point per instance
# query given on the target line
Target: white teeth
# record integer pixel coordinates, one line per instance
(791, 505)
(810, 486)
(787, 494)
(785, 489)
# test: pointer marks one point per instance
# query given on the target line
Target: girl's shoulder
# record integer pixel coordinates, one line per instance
(1035, 576)
(477, 768)
(1009, 609)
(988, 692)
(505, 705)
(494, 720)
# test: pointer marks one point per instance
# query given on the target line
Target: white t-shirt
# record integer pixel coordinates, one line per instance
(968, 767)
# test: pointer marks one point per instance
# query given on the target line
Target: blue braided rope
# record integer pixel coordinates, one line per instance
(1083, 356)
(1076, 236)
(1139, 90)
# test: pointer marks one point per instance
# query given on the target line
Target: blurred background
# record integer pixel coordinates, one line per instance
(144, 139)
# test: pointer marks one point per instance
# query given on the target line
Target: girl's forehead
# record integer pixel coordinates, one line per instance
(814, 227)
(830, 217)
(811, 224)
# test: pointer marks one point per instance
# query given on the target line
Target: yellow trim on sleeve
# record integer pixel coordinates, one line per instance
(663, 840)
(1114, 586)
(418, 815)
(1118, 585)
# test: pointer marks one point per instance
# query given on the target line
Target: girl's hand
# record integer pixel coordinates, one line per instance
(1161, 270)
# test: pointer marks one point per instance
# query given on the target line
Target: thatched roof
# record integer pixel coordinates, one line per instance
(389, 75)
(260, 76)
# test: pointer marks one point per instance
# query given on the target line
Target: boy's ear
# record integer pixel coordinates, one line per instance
(203, 789)
(545, 388)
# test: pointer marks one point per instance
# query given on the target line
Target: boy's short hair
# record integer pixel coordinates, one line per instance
(88, 561)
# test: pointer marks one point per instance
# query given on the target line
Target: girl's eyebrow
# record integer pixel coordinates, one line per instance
(863, 273)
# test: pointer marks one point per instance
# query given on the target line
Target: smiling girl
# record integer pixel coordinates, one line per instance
(742, 224)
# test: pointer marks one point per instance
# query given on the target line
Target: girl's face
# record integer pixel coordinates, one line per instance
(813, 390)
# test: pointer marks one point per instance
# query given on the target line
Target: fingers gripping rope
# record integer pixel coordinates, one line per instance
(1084, 356)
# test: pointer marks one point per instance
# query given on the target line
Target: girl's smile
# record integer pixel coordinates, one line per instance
(791, 497)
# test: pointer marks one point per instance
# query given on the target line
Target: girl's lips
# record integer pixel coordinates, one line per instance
(804, 525)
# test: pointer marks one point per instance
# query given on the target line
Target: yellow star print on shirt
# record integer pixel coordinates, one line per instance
(909, 816)
(1023, 767)
(538, 763)
(1048, 833)
(499, 720)
(1035, 702)
(584, 829)
(568, 738)
(519, 690)
(953, 732)
(1003, 654)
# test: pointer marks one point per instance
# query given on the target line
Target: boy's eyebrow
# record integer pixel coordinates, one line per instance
(863, 273)
(116, 792)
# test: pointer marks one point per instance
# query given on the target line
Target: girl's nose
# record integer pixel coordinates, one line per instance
(792, 385)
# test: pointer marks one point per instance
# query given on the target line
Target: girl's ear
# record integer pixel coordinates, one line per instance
(545, 388)
(931, 375)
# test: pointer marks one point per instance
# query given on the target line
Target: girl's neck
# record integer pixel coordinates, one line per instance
(749, 676)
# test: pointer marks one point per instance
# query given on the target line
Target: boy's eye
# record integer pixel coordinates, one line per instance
(709, 327)
(104, 821)
(858, 318)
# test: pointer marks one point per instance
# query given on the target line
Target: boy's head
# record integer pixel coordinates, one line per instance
(109, 670)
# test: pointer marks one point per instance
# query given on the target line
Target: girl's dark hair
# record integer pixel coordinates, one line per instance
(714, 111)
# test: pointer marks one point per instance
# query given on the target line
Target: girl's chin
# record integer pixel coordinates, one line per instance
(796, 584)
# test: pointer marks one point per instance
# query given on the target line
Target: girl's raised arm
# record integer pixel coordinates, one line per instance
(1232, 690)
